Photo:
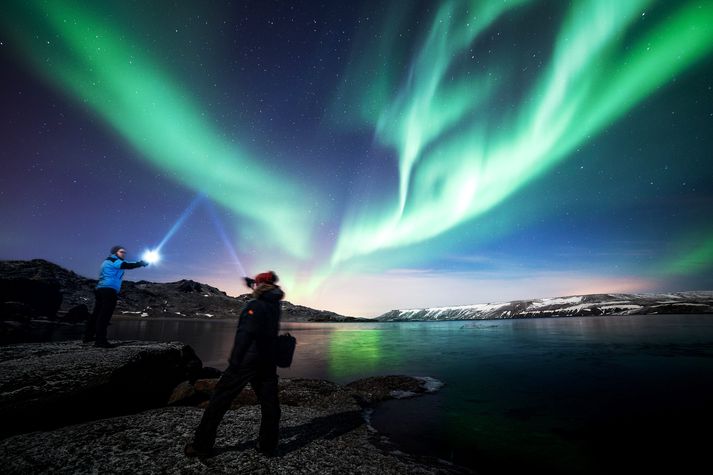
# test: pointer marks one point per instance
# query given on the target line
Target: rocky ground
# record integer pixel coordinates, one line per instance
(324, 426)
(311, 441)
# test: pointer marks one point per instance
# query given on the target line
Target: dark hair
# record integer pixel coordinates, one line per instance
(115, 249)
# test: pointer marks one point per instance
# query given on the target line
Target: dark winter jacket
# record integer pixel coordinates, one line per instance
(257, 329)
(112, 271)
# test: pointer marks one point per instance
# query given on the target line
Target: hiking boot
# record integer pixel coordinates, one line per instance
(104, 344)
(191, 450)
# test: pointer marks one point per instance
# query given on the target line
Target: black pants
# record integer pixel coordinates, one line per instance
(264, 382)
(99, 319)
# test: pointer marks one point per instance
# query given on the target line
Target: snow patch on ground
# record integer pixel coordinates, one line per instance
(431, 385)
(398, 394)
(623, 307)
(366, 415)
(555, 301)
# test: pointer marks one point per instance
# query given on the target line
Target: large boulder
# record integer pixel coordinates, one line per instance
(15, 321)
(44, 297)
(74, 288)
(77, 314)
(16, 312)
(46, 385)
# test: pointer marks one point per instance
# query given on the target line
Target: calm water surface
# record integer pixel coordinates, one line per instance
(571, 395)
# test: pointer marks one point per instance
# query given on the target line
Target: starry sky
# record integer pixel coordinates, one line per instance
(376, 155)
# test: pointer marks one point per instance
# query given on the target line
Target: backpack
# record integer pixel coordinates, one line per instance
(285, 350)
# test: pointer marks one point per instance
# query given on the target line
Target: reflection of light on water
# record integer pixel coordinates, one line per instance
(354, 352)
(344, 352)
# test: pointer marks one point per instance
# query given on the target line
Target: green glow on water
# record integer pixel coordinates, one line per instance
(354, 352)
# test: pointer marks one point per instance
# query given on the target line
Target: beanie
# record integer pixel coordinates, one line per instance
(268, 277)
(115, 249)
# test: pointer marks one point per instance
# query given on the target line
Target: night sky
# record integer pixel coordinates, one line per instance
(376, 155)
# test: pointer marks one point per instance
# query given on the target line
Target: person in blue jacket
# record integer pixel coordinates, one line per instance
(107, 291)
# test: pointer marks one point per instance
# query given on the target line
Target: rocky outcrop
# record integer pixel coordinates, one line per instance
(43, 297)
(300, 313)
(181, 299)
(323, 428)
(52, 384)
(77, 314)
(315, 393)
(72, 289)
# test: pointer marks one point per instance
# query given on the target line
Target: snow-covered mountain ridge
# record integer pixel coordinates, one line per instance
(571, 306)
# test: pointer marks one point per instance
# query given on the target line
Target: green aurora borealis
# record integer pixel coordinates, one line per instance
(97, 65)
(464, 124)
(590, 82)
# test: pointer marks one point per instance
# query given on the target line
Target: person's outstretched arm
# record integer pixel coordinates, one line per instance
(133, 265)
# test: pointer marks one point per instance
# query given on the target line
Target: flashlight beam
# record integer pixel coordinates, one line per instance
(221, 232)
(180, 221)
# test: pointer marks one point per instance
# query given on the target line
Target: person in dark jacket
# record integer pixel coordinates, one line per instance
(251, 360)
(106, 293)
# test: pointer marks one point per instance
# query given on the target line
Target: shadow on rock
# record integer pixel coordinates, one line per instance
(294, 438)
(325, 427)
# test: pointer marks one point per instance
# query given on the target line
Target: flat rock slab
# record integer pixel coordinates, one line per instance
(316, 393)
(311, 441)
(46, 385)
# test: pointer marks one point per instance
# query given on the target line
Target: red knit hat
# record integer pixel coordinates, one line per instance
(268, 277)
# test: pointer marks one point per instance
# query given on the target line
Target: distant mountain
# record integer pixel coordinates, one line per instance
(573, 306)
(185, 298)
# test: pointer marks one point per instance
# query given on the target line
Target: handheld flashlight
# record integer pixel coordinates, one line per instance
(151, 257)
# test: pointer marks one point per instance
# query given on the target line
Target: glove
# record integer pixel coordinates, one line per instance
(249, 282)
(143, 263)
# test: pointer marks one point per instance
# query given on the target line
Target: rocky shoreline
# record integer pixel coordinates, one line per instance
(132, 408)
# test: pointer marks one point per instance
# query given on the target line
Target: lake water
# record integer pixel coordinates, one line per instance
(569, 395)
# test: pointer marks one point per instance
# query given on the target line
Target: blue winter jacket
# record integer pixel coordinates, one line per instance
(112, 271)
